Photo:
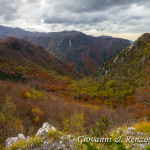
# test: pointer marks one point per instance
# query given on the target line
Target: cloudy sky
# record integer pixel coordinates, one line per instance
(118, 18)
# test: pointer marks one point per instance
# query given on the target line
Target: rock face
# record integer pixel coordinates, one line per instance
(56, 145)
(130, 130)
(47, 143)
(128, 136)
(62, 144)
(85, 53)
(42, 132)
(132, 139)
(11, 140)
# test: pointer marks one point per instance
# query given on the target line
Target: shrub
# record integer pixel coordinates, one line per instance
(75, 124)
(10, 124)
(28, 94)
(37, 113)
(100, 127)
(148, 147)
(90, 146)
(33, 94)
(110, 83)
(143, 127)
(33, 142)
(54, 134)
(30, 143)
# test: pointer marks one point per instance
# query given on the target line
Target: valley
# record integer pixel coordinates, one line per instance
(81, 85)
(83, 53)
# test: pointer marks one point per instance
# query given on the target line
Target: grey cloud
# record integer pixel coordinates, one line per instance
(84, 15)
(74, 18)
(136, 17)
(80, 6)
(32, 1)
(88, 11)
(8, 9)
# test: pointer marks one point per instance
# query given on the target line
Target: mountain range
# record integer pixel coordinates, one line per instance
(83, 53)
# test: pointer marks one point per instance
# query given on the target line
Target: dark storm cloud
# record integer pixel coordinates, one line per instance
(8, 9)
(80, 6)
(67, 18)
(87, 11)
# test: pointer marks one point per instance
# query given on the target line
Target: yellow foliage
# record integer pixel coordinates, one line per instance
(34, 94)
(21, 144)
(37, 113)
(143, 127)
(110, 83)
(54, 134)
(8, 120)
(2, 117)
(75, 124)
(28, 94)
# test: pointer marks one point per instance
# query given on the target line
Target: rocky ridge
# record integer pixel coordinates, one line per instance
(128, 136)
(46, 142)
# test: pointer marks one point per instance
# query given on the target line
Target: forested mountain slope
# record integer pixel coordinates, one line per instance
(22, 60)
(120, 76)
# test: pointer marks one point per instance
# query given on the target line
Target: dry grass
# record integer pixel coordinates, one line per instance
(143, 126)
(21, 144)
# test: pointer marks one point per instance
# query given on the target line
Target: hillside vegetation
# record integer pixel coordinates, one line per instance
(23, 109)
(119, 77)
(20, 60)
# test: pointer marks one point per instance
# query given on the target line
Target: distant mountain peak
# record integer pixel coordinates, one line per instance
(105, 36)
